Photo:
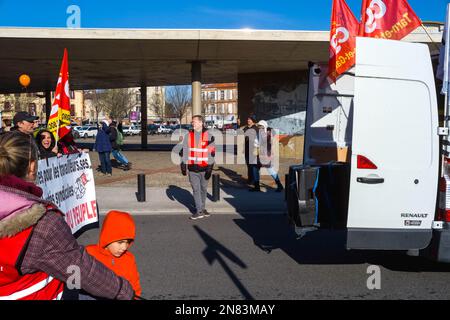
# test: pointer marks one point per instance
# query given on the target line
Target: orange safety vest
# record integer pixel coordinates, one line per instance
(14, 285)
(198, 154)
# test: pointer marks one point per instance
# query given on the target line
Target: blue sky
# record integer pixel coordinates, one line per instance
(178, 14)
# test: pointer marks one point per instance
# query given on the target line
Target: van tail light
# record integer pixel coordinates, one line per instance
(364, 163)
(444, 203)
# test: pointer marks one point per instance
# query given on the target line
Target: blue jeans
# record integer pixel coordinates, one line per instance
(255, 173)
(273, 173)
(120, 157)
(105, 162)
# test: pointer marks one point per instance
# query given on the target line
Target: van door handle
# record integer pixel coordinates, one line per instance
(370, 180)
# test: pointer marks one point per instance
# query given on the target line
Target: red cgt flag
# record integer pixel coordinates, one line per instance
(387, 19)
(59, 121)
(344, 29)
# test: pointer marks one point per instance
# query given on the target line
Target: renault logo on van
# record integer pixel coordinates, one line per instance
(415, 215)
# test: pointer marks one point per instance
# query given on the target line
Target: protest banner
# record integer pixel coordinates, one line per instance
(68, 182)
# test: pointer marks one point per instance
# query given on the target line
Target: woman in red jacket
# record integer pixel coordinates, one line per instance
(38, 250)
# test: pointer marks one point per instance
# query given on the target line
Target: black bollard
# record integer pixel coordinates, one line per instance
(286, 185)
(215, 187)
(141, 188)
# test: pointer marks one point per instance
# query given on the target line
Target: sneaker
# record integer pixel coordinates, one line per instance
(196, 216)
(206, 213)
(109, 174)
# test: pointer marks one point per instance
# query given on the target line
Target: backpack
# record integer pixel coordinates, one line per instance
(119, 139)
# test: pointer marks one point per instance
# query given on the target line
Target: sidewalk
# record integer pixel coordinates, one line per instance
(177, 200)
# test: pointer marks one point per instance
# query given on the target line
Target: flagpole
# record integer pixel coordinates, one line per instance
(432, 41)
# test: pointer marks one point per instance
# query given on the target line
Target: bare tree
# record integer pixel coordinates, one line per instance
(98, 104)
(179, 100)
(117, 103)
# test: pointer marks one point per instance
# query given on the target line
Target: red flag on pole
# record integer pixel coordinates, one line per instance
(59, 121)
(344, 29)
(387, 19)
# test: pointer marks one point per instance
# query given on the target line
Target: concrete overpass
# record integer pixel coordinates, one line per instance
(119, 58)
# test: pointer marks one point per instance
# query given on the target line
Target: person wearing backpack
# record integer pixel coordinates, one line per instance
(116, 138)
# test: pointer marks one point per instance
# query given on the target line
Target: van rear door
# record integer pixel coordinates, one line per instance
(395, 155)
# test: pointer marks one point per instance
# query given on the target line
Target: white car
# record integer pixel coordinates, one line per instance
(131, 130)
(163, 129)
(77, 128)
(88, 132)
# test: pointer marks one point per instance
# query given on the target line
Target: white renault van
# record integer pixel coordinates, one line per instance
(372, 153)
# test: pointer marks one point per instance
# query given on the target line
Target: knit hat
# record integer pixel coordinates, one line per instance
(263, 123)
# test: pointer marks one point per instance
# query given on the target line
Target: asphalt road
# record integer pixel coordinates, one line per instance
(258, 257)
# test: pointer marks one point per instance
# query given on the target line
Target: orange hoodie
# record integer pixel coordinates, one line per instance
(117, 226)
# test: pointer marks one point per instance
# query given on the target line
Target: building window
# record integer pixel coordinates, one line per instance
(72, 94)
(72, 110)
(222, 95)
(7, 106)
(212, 95)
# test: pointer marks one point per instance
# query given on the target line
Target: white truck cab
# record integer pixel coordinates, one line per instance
(372, 154)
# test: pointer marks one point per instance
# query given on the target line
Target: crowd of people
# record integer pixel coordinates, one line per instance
(259, 152)
(37, 244)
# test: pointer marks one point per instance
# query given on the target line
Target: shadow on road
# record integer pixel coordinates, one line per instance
(273, 232)
(181, 195)
(237, 180)
(214, 251)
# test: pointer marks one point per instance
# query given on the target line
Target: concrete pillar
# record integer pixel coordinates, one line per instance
(48, 105)
(196, 87)
(144, 116)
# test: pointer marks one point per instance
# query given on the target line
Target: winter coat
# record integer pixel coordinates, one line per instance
(67, 145)
(113, 137)
(49, 248)
(250, 137)
(263, 146)
(117, 226)
(102, 142)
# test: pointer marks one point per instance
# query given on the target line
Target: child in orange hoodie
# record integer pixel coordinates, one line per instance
(116, 236)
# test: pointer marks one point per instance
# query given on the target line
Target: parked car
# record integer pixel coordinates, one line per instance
(164, 130)
(77, 129)
(182, 126)
(152, 129)
(131, 130)
(210, 125)
(88, 132)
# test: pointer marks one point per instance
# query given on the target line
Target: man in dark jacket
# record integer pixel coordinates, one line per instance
(24, 122)
(197, 162)
(251, 132)
(103, 147)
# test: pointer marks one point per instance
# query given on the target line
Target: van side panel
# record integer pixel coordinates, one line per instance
(395, 126)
